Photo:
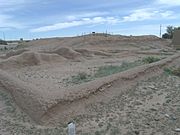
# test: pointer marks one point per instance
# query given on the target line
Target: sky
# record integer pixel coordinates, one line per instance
(30, 19)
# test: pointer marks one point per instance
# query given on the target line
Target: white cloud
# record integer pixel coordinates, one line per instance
(147, 14)
(83, 15)
(10, 5)
(11, 2)
(6, 21)
(7, 18)
(169, 2)
(83, 21)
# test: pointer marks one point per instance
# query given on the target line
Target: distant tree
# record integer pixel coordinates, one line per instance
(165, 35)
(169, 32)
(2, 42)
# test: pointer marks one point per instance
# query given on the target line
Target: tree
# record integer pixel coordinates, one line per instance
(169, 32)
(2, 42)
(165, 35)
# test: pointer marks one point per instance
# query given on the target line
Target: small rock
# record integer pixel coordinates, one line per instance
(136, 132)
(167, 115)
(177, 130)
(173, 118)
(156, 119)
(147, 124)
(153, 109)
(152, 87)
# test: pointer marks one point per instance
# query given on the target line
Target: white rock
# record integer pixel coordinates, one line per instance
(177, 129)
(167, 115)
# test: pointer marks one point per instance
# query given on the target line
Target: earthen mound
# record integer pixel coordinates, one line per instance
(90, 53)
(29, 59)
(15, 52)
(68, 53)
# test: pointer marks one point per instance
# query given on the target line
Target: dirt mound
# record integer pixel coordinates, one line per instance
(29, 59)
(90, 53)
(68, 53)
(25, 95)
(15, 52)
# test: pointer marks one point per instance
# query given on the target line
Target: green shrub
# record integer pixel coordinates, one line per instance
(101, 72)
(150, 59)
(79, 78)
(172, 71)
(109, 70)
(176, 72)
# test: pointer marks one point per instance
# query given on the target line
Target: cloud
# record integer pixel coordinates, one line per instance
(10, 5)
(7, 22)
(169, 2)
(7, 18)
(83, 15)
(83, 21)
(147, 14)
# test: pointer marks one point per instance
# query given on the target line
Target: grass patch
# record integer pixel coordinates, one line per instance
(172, 71)
(101, 72)
(150, 59)
(79, 78)
(109, 70)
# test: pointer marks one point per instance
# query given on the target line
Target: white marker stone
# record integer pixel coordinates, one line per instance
(71, 129)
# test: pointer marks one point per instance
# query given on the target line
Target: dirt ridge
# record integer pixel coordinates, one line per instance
(38, 105)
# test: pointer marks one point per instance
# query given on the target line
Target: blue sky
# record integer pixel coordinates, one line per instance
(54, 18)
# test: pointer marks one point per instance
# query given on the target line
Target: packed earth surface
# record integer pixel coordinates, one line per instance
(105, 84)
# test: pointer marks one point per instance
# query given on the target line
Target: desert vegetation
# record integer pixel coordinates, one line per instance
(107, 70)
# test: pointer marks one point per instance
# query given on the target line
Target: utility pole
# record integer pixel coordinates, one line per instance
(4, 36)
(160, 30)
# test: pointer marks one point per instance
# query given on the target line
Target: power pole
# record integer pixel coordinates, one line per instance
(160, 30)
(4, 36)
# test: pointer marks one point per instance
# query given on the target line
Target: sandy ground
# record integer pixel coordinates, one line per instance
(38, 72)
(151, 107)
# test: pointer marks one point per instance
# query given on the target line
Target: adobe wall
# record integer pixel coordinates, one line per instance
(176, 39)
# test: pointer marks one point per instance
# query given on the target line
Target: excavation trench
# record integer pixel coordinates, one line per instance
(46, 108)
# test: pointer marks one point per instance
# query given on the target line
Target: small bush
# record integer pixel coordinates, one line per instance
(171, 71)
(176, 72)
(79, 78)
(109, 70)
(102, 72)
(150, 59)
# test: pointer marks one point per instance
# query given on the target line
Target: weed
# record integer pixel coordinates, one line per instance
(172, 71)
(101, 72)
(79, 78)
(109, 70)
(150, 59)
